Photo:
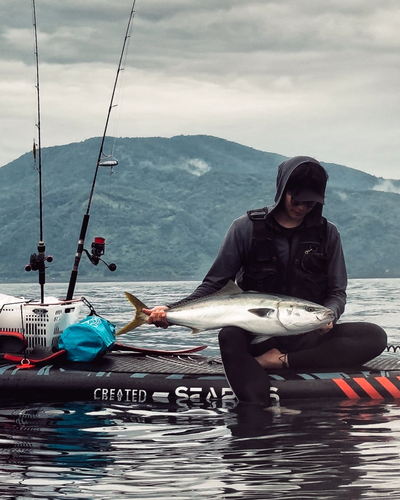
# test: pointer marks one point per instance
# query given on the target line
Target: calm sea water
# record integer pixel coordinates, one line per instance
(308, 450)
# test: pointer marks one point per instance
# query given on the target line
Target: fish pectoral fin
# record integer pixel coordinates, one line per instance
(196, 330)
(258, 339)
(262, 312)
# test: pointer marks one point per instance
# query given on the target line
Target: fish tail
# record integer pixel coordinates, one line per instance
(139, 319)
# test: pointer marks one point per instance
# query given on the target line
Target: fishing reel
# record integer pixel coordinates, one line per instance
(37, 260)
(98, 249)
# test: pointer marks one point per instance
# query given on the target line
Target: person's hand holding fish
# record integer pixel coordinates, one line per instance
(157, 316)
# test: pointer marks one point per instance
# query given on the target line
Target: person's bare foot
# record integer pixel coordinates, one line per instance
(273, 359)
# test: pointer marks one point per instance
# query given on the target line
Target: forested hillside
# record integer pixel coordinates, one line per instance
(167, 205)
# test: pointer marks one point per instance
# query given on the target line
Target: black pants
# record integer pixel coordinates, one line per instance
(345, 345)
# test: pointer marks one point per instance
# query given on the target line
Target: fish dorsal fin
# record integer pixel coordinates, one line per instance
(230, 288)
(262, 312)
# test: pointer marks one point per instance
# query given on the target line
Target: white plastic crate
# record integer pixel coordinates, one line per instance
(41, 324)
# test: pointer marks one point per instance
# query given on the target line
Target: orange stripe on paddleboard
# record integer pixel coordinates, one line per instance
(368, 388)
(350, 393)
(389, 386)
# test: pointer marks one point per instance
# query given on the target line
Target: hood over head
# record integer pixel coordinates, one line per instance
(306, 179)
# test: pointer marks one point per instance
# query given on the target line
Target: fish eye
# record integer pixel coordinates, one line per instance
(310, 309)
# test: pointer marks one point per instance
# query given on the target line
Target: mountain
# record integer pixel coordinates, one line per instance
(167, 205)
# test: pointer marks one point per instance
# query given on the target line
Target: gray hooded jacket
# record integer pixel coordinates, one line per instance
(237, 243)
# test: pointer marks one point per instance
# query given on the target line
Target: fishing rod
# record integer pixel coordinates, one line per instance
(103, 160)
(37, 261)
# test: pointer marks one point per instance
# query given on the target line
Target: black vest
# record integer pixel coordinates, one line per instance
(306, 274)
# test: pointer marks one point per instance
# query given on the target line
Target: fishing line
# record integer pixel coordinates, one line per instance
(102, 160)
(104, 223)
(119, 97)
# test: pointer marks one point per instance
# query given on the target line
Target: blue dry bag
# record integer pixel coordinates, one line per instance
(89, 339)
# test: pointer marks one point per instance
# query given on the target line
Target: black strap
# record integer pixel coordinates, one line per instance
(260, 239)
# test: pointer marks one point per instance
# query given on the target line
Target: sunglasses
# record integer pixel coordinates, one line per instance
(308, 204)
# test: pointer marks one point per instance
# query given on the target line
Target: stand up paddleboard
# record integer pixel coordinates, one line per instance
(149, 376)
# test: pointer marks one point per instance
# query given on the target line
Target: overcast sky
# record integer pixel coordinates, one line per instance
(294, 77)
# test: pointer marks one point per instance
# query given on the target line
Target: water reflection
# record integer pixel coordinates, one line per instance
(43, 447)
(297, 453)
(322, 452)
(102, 451)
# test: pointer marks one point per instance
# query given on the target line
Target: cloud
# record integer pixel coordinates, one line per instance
(387, 186)
(287, 76)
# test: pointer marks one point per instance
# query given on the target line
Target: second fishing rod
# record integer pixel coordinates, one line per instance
(102, 160)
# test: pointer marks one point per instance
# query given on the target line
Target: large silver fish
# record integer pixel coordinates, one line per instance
(260, 314)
